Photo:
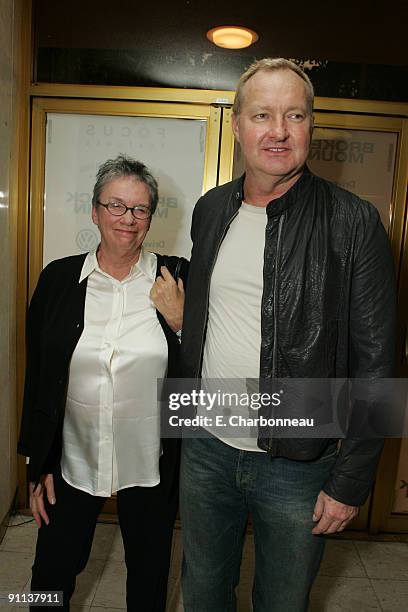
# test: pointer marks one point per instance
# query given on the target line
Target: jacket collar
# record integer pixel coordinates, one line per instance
(294, 195)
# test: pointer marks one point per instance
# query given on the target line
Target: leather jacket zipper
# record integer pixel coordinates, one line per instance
(272, 441)
(198, 375)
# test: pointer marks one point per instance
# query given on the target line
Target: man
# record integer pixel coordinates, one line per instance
(290, 276)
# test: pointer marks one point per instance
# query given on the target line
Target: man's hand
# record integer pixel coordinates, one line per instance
(168, 297)
(37, 498)
(330, 515)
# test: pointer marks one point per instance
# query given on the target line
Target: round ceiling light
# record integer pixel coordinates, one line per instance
(232, 37)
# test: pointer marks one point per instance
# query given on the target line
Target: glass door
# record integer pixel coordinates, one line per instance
(71, 138)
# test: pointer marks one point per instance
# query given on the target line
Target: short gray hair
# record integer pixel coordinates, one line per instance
(272, 64)
(122, 166)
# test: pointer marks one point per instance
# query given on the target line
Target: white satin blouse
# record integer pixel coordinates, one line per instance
(111, 432)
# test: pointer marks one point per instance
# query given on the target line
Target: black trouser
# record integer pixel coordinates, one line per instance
(146, 518)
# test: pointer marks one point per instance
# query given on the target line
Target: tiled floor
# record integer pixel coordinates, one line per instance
(355, 575)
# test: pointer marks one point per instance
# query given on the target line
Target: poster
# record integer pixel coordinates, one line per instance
(173, 150)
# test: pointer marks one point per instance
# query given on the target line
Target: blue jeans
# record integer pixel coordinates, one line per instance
(220, 486)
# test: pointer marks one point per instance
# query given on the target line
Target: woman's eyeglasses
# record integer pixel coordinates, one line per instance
(117, 209)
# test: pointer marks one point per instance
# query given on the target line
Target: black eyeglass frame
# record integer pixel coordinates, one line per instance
(126, 208)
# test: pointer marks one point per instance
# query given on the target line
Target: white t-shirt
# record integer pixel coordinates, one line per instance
(233, 340)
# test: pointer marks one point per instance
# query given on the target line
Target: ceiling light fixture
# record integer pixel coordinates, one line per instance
(232, 37)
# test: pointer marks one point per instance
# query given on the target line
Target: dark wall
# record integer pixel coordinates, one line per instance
(350, 49)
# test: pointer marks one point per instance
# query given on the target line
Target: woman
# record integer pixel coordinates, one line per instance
(91, 425)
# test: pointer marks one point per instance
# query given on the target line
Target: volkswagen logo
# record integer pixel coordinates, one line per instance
(87, 240)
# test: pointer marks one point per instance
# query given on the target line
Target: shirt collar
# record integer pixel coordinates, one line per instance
(146, 264)
(90, 264)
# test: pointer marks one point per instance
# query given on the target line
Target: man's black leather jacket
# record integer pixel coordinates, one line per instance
(328, 305)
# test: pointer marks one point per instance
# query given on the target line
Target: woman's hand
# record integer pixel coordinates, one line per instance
(37, 498)
(168, 297)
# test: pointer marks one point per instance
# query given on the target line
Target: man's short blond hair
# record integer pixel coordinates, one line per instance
(272, 64)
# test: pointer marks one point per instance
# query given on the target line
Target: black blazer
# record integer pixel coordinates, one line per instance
(54, 325)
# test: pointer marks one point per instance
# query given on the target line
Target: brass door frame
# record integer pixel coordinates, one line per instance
(203, 96)
(382, 518)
